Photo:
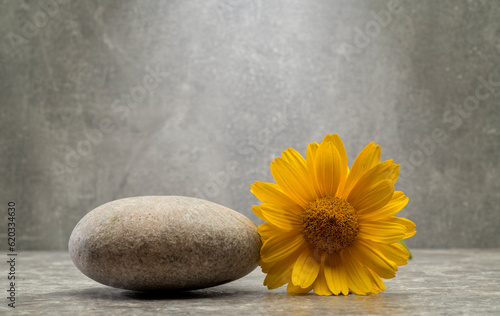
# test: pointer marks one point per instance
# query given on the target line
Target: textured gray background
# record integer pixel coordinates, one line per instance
(241, 81)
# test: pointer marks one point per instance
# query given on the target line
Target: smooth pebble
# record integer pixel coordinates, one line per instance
(164, 243)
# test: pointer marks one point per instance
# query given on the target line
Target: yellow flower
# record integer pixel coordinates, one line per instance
(329, 228)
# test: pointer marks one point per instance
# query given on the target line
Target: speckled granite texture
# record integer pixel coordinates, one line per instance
(102, 100)
(436, 282)
(164, 243)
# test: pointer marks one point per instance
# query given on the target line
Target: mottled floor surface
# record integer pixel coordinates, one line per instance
(455, 282)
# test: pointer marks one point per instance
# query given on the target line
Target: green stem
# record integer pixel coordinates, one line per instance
(402, 242)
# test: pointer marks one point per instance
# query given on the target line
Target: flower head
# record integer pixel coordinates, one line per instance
(329, 228)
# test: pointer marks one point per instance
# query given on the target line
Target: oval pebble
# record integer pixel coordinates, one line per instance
(164, 243)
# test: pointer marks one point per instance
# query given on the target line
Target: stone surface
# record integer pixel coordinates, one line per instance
(164, 243)
(435, 282)
(241, 81)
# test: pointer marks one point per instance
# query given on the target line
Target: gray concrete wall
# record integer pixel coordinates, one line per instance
(234, 83)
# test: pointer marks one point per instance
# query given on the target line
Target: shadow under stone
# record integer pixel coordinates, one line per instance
(113, 294)
(178, 295)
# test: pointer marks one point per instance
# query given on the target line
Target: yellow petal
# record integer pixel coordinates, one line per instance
(280, 246)
(396, 204)
(271, 193)
(268, 230)
(281, 217)
(372, 199)
(382, 231)
(320, 286)
(280, 272)
(285, 176)
(410, 226)
(312, 149)
(382, 171)
(299, 165)
(271, 266)
(339, 145)
(394, 252)
(297, 289)
(335, 275)
(328, 169)
(378, 284)
(371, 257)
(257, 211)
(357, 277)
(369, 157)
(274, 281)
(306, 269)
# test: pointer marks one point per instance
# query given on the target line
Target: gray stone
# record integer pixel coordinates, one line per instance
(164, 243)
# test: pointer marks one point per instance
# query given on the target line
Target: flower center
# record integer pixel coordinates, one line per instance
(330, 224)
